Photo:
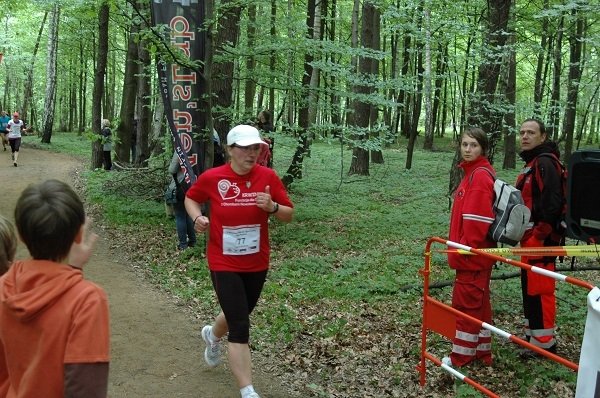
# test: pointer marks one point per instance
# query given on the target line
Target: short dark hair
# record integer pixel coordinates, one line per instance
(540, 124)
(480, 136)
(49, 216)
(266, 114)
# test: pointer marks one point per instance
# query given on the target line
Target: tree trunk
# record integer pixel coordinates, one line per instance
(485, 111)
(541, 66)
(428, 142)
(72, 95)
(575, 39)
(125, 130)
(222, 79)
(376, 154)
(82, 87)
(158, 126)
(249, 84)
(404, 111)
(510, 131)
(273, 57)
(294, 171)
(143, 95)
(49, 100)
(314, 76)
(416, 110)
(362, 109)
(100, 72)
(553, 118)
(28, 94)
(437, 115)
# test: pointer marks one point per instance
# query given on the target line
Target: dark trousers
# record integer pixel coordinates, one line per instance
(238, 293)
(107, 160)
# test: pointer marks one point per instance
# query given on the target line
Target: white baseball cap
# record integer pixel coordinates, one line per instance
(244, 135)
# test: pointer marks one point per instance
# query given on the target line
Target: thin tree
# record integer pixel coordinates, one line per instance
(510, 131)
(575, 46)
(542, 65)
(554, 108)
(143, 94)
(250, 84)
(82, 84)
(416, 99)
(429, 117)
(376, 154)
(100, 72)
(294, 171)
(49, 101)
(28, 94)
(125, 130)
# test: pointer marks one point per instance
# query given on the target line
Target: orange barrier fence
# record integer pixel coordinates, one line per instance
(441, 318)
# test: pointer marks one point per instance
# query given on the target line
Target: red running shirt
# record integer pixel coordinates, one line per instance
(239, 230)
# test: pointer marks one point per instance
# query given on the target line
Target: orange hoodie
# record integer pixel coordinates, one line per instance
(49, 317)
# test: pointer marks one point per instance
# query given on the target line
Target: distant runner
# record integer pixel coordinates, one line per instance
(14, 128)
(4, 119)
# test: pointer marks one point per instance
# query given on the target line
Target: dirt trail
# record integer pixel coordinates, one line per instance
(156, 349)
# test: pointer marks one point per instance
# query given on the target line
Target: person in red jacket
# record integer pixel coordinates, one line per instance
(242, 195)
(470, 220)
(540, 183)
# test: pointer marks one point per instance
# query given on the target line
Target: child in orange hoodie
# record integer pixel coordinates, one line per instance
(54, 325)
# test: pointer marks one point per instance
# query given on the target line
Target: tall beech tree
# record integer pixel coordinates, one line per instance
(50, 96)
(100, 72)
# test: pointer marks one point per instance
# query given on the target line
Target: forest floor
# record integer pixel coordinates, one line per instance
(156, 347)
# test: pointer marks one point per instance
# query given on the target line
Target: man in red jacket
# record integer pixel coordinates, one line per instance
(540, 183)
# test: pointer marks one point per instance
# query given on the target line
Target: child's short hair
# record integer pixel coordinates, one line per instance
(105, 123)
(49, 216)
(8, 244)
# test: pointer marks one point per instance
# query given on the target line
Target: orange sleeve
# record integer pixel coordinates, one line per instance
(89, 336)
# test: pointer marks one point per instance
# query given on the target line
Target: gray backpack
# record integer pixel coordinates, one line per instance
(511, 216)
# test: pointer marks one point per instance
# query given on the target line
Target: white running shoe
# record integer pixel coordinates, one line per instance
(253, 395)
(212, 353)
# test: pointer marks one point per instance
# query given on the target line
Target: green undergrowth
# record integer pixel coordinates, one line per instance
(347, 266)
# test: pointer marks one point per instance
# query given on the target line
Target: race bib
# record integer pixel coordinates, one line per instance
(241, 240)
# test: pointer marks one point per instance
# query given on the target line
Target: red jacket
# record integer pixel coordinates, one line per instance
(541, 187)
(472, 215)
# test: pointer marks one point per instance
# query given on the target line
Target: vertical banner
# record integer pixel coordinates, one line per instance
(180, 83)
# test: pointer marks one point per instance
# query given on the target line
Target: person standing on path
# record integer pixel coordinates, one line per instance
(471, 217)
(540, 183)
(4, 119)
(241, 195)
(15, 127)
(106, 144)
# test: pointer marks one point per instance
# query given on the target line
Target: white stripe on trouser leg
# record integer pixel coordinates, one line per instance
(473, 338)
(457, 349)
(542, 332)
(540, 344)
(484, 347)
